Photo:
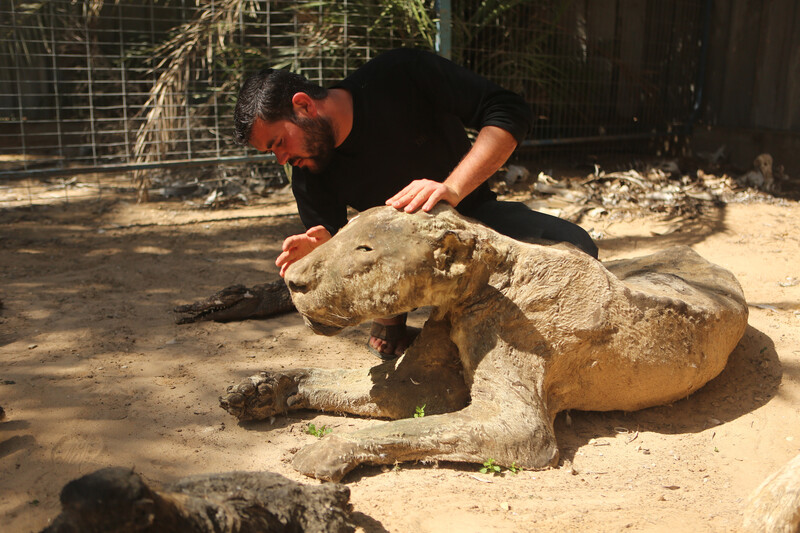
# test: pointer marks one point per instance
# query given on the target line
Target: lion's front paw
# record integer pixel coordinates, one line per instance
(262, 396)
(328, 459)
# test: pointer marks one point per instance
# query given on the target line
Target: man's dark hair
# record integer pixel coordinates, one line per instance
(268, 95)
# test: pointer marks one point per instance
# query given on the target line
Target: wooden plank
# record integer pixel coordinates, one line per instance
(741, 60)
(684, 59)
(601, 17)
(573, 39)
(660, 44)
(631, 52)
(791, 119)
(719, 37)
(769, 86)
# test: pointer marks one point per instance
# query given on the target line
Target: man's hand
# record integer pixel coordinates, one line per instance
(298, 246)
(425, 194)
(492, 148)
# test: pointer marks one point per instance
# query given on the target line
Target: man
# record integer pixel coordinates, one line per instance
(393, 133)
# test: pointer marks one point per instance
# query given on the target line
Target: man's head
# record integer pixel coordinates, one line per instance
(277, 112)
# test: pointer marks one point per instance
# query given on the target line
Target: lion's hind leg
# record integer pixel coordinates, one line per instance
(518, 435)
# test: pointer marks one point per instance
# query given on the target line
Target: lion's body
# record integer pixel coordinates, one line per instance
(518, 332)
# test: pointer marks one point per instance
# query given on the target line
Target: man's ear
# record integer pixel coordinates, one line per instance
(304, 105)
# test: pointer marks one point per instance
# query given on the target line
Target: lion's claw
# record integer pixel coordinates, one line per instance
(262, 396)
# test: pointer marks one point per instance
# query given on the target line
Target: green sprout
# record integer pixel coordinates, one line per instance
(318, 432)
(490, 468)
(420, 412)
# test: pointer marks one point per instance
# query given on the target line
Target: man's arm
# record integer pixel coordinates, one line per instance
(501, 116)
(492, 148)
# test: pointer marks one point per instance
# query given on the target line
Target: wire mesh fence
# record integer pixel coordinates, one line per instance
(594, 70)
(93, 85)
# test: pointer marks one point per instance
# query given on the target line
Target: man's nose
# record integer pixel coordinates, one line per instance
(281, 157)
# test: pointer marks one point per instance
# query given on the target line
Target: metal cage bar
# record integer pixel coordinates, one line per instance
(77, 87)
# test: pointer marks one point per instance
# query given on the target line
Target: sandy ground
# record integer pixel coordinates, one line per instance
(94, 372)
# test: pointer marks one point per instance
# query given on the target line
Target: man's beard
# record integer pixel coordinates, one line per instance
(319, 142)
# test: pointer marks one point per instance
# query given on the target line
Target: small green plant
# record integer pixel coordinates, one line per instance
(420, 412)
(318, 432)
(514, 469)
(490, 468)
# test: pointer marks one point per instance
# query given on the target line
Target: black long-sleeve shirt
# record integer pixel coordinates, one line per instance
(410, 110)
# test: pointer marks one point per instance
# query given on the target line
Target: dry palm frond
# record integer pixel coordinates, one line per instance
(415, 15)
(28, 35)
(334, 35)
(194, 42)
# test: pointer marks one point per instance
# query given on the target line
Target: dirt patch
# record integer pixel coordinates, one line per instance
(94, 372)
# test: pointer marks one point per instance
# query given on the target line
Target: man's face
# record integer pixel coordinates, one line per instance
(303, 142)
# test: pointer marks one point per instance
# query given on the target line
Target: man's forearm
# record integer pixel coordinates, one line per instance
(491, 149)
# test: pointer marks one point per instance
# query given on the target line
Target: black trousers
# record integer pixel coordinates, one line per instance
(518, 221)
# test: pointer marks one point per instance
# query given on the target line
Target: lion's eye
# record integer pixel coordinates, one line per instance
(364, 248)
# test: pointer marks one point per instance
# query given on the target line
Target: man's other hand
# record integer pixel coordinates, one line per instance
(298, 246)
(424, 194)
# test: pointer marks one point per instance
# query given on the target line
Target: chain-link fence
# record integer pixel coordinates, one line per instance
(93, 85)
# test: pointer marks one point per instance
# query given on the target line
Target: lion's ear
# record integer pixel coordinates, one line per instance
(453, 251)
